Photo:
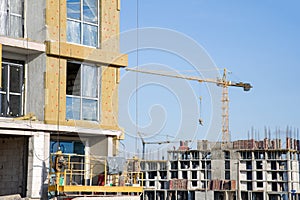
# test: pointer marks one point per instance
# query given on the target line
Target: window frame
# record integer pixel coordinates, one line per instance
(82, 97)
(8, 92)
(82, 22)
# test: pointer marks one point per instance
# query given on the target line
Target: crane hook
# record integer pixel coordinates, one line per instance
(200, 119)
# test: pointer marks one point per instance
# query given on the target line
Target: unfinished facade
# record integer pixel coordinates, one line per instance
(59, 82)
(243, 170)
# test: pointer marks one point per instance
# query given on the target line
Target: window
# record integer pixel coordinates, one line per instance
(227, 155)
(184, 174)
(259, 155)
(83, 22)
(227, 164)
(249, 175)
(259, 175)
(82, 91)
(249, 186)
(11, 18)
(67, 147)
(174, 174)
(246, 155)
(274, 175)
(227, 175)
(259, 184)
(273, 165)
(248, 165)
(194, 175)
(12, 90)
(259, 165)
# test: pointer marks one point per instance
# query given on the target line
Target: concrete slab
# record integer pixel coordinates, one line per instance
(11, 197)
(109, 198)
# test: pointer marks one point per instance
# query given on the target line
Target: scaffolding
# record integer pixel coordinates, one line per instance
(77, 175)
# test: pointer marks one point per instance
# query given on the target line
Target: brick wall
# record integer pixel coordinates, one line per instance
(13, 165)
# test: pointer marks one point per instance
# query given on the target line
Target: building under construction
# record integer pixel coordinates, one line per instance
(59, 131)
(59, 80)
(267, 169)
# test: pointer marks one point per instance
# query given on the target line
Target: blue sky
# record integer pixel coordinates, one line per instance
(258, 41)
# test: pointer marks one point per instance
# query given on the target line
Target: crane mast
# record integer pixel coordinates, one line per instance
(225, 109)
(225, 115)
(223, 82)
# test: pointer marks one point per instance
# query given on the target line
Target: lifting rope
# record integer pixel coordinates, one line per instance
(137, 76)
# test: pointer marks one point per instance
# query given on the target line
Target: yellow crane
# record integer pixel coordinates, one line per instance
(221, 82)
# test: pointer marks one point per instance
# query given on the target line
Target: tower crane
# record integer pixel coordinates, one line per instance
(156, 142)
(221, 82)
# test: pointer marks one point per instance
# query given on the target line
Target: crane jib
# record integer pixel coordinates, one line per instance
(221, 82)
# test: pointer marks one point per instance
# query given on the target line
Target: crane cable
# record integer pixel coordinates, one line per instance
(200, 111)
(137, 76)
(58, 86)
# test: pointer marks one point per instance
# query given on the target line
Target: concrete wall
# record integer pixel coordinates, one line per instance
(295, 174)
(218, 164)
(99, 145)
(109, 198)
(13, 164)
(201, 195)
(218, 169)
(35, 28)
(233, 169)
(35, 86)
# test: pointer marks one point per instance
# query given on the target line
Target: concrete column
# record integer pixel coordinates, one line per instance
(265, 178)
(1, 66)
(110, 147)
(289, 171)
(253, 173)
(38, 165)
(87, 162)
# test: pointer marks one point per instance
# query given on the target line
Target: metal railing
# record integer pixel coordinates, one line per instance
(82, 170)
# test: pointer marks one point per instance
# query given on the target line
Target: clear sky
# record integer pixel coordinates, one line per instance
(258, 41)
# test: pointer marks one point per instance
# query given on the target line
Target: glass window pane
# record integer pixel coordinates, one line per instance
(14, 105)
(15, 79)
(78, 147)
(73, 9)
(72, 108)
(90, 11)
(90, 83)
(16, 26)
(89, 109)
(90, 35)
(4, 77)
(73, 32)
(73, 79)
(16, 7)
(3, 104)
